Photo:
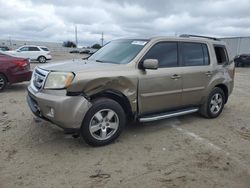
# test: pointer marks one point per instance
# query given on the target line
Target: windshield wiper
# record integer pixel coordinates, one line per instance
(100, 61)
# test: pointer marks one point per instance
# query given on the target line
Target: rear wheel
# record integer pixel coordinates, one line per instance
(214, 105)
(3, 82)
(42, 59)
(103, 122)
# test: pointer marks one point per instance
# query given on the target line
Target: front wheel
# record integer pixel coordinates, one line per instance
(103, 122)
(214, 105)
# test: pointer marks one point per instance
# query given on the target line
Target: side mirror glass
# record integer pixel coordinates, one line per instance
(150, 64)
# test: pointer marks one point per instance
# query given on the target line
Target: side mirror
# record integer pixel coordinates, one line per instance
(150, 64)
(18, 50)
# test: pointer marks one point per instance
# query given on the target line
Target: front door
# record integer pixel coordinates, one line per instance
(160, 90)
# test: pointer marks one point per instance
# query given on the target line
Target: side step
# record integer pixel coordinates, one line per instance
(168, 115)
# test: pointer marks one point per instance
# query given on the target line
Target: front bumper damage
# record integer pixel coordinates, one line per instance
(65, 111)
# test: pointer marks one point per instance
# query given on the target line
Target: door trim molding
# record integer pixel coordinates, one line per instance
(161, 93)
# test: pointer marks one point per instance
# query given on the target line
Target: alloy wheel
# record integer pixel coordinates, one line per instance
(42, 59)
(2, 83)
(104, 124)
(216, 103)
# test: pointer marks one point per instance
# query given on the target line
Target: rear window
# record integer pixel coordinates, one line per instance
(194, 54)
(221, 54)
(45, 49)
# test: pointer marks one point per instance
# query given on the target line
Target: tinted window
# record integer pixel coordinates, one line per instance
(24, 49)
(165, 53)
(195, 54)
(33, 49)
(45, 49)
(221, 54)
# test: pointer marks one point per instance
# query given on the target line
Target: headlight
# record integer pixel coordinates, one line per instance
(58, 80)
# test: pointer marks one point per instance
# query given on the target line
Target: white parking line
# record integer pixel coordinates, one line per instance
(207, 143)
(198, 138)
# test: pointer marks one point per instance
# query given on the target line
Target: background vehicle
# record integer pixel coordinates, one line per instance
(242, 60)
(13, 70)
(92, 51)
(86, 51)
(74, 52)
(34, 53)
(4, 48)
(131, 79)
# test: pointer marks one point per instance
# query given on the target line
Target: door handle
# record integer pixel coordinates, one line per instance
(208, 73)
(175, 76)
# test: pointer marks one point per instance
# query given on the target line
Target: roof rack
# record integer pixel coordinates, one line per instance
(199, 36)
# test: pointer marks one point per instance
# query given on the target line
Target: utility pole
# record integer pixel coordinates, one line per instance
(102, 39)
(76, 35)
(10, 41)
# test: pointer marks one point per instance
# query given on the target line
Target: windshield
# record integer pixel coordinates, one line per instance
(119, 51)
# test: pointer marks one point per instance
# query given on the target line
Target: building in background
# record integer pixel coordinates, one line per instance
(238, 45)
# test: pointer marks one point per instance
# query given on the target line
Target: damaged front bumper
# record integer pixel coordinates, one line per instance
(65, 111)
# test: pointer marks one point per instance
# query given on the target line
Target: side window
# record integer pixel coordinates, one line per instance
(24, 49)
(33, 49)
(194, 54)
(165, 53)
(221, 54)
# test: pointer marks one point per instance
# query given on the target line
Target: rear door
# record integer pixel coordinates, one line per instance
(34, 52)
(160, 89)
(196, 72)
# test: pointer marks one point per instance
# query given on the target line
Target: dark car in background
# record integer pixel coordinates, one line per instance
(13, 70)
(4, 48)
(242, 60)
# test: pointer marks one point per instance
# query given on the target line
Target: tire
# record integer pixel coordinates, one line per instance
(96, 127)
(3, 82)
(214, 105)
(42, 59)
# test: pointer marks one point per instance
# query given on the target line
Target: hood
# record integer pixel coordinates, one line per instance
(79, 66)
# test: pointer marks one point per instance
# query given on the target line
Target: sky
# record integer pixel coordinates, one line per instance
(55, 20)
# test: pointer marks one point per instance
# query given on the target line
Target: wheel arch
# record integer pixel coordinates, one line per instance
(117, 96)
(5, 76)
(224, 89)
(41, 56)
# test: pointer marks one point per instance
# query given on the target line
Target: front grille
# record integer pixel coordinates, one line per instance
(39, 77)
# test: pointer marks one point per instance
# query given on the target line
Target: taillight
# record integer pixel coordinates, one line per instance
(21, 63)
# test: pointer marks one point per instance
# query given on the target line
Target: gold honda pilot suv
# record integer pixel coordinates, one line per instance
(133, 79)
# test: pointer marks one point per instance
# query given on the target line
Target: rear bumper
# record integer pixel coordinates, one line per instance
(65, 111)
(48, 57)
(21, 76)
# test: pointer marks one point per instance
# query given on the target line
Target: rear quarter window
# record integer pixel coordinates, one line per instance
(221, 54)
(45, 49)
